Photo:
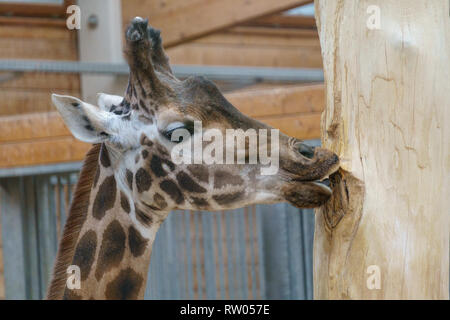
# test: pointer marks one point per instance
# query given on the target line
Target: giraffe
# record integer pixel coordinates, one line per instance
(129, 182)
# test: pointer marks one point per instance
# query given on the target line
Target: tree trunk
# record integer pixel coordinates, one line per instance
(385, 232)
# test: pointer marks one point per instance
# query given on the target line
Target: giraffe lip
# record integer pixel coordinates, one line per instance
(324, 181)
(324, 184)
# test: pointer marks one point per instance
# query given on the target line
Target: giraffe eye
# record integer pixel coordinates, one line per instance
(183, 129)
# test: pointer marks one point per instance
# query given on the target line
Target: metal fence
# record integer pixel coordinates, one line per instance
(259, 252)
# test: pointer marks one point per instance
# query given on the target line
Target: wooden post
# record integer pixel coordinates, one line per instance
(101, 43)
(385, 233)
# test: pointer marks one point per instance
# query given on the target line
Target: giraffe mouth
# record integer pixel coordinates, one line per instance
(310, 193)
(324, 184)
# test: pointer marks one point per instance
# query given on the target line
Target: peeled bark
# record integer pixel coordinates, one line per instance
(387, 117)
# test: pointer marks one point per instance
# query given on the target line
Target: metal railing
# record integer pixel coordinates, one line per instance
(219, 73)
(259, 252)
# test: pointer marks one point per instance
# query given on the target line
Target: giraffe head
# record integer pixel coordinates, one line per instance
(159, 116)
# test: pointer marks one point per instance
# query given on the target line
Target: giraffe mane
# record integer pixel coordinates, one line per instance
(75, 220)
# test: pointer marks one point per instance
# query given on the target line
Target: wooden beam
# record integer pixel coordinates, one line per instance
(34, 139)
(45, 151)
(284, 21)
(384, 234)
(30, 92)
(35, 10)
(182, 21)
(32, 126)
(250, 46)
(32, 21)
(301, 126)
(23, 42)
(262, 36)
(264, 102)
(40, 81)
(21, 101)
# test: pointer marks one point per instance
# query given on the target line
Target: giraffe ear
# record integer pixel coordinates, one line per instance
(106, 101)
(87, 123)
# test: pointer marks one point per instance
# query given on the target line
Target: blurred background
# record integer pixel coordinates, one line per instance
(264, 55)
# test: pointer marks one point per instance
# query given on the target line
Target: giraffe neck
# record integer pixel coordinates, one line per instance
(102, 238)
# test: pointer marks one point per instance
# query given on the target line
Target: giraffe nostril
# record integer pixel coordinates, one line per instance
(306, 151)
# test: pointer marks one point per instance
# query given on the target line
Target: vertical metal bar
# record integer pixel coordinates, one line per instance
(32, 272)
(46, 230)
(198, 259)
(275, 251)
(179, 252)
(189, 255)
(151, 280)
(13, 219)
(226, 258)
(67, 193)
(73, 179)
(156, 263)
(57, 206)
(208, 261)
(62, 201)
(220, 254)
(307, 221)
(236, 256)
(259, 254)
(295, 253)
(171, 257)
(182, 262)
(163, 260)
(232, 285)
(248, 254)
(240, 246)
(252, 239)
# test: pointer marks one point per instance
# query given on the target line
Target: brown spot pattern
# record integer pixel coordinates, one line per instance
(136, 242)
(200, 202)
(85, 253)
(144, 218)
(156, 166)
(104, 157)
(129, 176)
(104, 200)
(159, 201)
(71, 295)
(125, 286)
(112, 249)
(186, 182)
(171, 188)
(143, 180)
(227, 198)
(198, 171)
(124, 203)
(145, 141)
(97, 175)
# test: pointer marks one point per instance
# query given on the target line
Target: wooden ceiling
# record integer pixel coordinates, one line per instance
(204, 32)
